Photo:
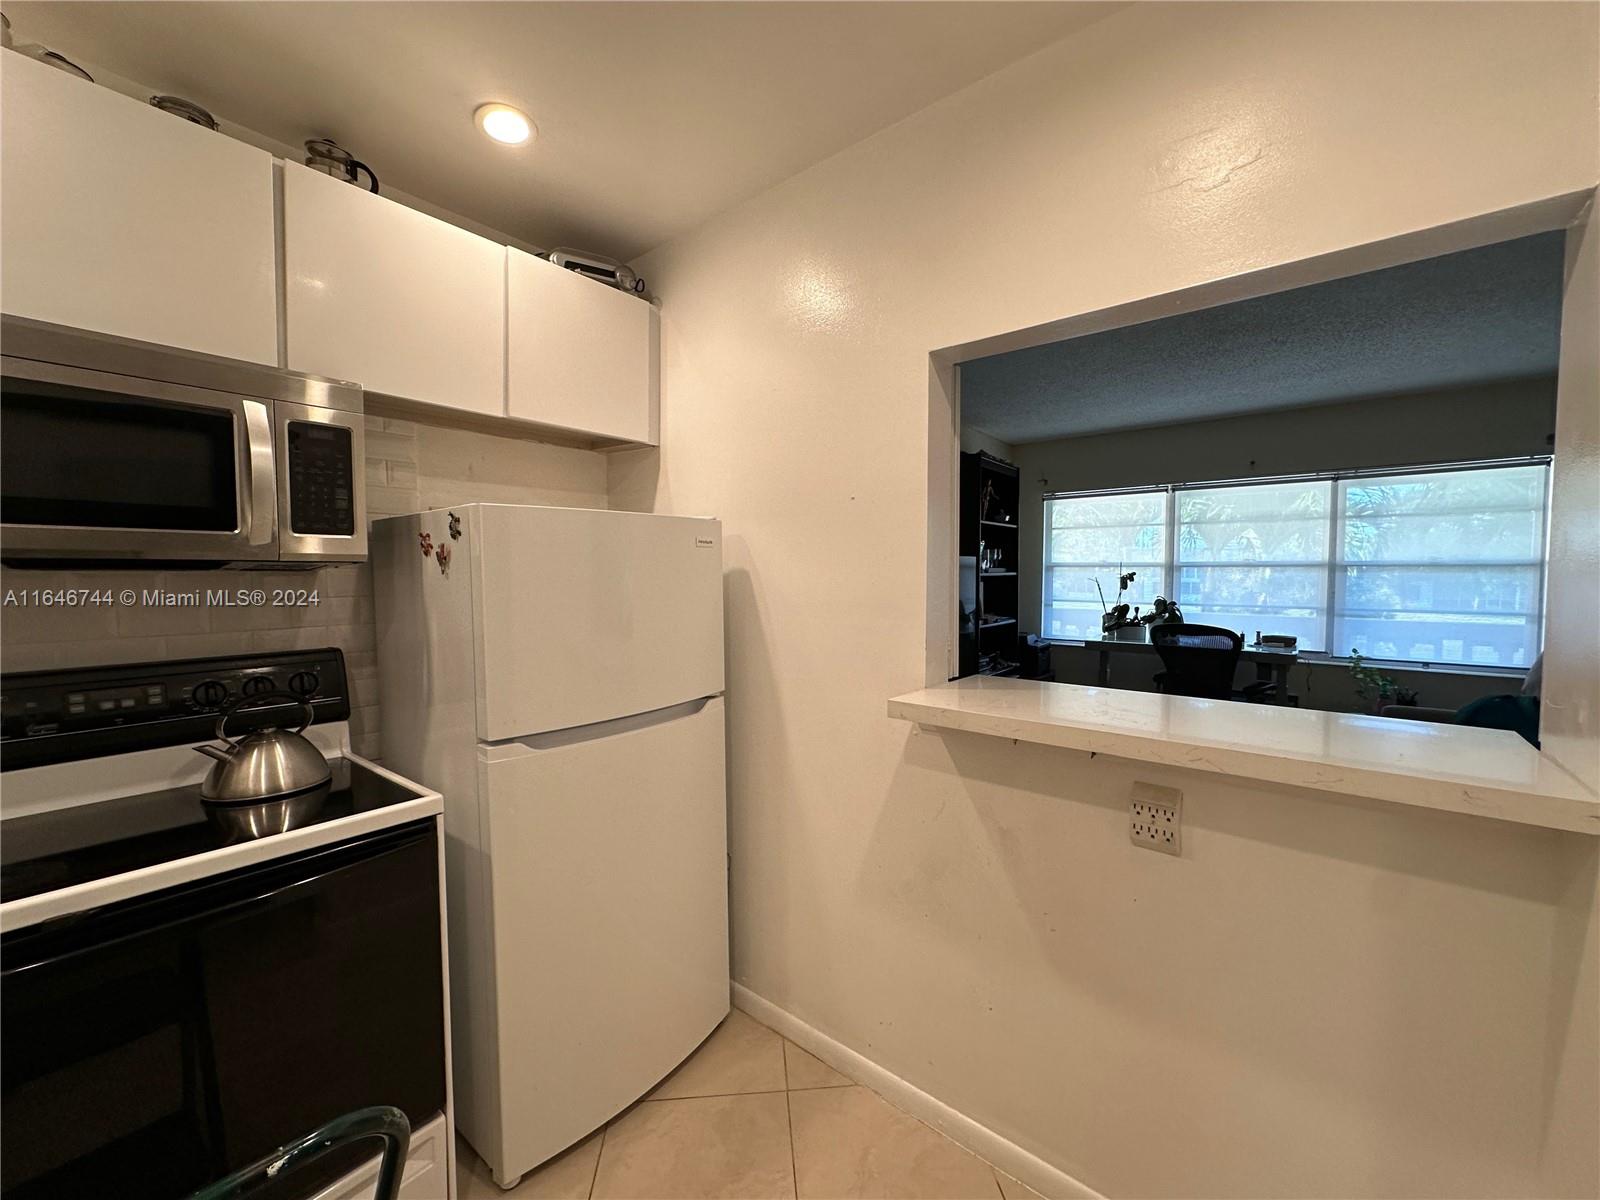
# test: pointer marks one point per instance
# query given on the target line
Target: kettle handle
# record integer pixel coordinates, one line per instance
(356, 166)
(244, 702)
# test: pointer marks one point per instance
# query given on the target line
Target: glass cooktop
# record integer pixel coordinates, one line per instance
(47, 851)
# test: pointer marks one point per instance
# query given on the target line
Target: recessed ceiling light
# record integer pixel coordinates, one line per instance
(503, 123)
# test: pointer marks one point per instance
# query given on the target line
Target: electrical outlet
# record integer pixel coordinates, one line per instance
(1155, 818)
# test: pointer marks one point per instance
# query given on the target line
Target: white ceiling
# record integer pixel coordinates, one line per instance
(651, 116)
(1479, 316)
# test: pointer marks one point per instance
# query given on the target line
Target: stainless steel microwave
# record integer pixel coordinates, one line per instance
(117, 451)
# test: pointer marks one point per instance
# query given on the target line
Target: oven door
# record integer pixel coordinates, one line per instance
(155, 1046)
(97, 466)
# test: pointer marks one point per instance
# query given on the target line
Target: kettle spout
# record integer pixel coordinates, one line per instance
(216, 752)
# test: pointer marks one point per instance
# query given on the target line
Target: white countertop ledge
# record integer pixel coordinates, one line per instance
(1484, 772)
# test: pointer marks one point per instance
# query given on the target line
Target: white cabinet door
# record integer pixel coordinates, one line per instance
(123, 219)
(579, 354)
(390, 298)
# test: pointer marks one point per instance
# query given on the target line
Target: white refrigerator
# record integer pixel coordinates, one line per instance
(557, 674)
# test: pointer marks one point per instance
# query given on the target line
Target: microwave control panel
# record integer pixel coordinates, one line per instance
(321, 479)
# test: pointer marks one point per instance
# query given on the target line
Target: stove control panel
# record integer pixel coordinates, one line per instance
(59, 716)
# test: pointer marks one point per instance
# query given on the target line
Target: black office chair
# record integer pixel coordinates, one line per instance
(1200, 661)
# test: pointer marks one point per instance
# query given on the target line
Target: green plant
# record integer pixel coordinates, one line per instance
(1374, 687)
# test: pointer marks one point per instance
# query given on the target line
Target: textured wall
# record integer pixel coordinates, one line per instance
(1319, 998)
(1447, 321)
(409, 466)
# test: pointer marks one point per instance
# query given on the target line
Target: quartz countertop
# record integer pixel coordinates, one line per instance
(1485, 772)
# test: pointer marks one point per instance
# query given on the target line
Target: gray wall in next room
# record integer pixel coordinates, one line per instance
(1502, 420)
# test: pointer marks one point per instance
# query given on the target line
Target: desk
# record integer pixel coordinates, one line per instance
(1272, 665)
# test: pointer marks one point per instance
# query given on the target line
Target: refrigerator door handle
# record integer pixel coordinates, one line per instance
(555, 739)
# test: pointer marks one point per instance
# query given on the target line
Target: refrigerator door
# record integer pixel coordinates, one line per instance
(587, 615)
(606, 853)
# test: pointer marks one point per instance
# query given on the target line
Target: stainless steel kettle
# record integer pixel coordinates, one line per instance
(327, 156)
(265, 763)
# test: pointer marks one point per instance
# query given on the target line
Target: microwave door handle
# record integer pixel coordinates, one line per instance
(260, 480)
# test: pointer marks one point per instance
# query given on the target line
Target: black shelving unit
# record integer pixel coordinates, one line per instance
(990, 497)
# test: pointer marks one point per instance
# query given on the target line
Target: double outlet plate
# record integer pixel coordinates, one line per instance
(1155, 818)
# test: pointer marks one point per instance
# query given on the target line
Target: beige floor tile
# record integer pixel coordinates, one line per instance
(850, 1144)
(806, 1070)
(1014, 1189)
(741, 1055)
(732, 1146)
(567, 1176)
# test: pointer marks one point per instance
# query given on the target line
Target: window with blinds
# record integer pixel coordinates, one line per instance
(1446, 566)
(1089, 541)
(1439, 566)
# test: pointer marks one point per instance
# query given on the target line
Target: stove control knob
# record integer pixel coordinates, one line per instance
(211, 694)
(257, 684)
(303, 683)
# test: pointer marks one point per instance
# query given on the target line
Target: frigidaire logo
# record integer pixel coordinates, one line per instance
(705, 543)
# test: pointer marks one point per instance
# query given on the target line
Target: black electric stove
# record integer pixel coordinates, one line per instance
(86, 713)
(152, 1045)
(92, 841)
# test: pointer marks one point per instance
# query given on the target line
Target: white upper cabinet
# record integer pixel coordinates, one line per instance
(580, 355)
(393, 299)
(123, 219)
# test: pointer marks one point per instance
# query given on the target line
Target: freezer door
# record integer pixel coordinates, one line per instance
(585, 615)
(607, 852)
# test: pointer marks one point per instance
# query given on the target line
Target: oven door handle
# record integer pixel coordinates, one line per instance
(261, 482)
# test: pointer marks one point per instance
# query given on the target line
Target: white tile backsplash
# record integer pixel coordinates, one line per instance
(391, 447)
(402, 475)
(409, 466)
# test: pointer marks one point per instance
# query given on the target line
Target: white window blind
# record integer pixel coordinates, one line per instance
(1443, 566)
(1256, 557)
(1089, 540)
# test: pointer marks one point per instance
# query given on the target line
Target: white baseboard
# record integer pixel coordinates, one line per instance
(963, 1130)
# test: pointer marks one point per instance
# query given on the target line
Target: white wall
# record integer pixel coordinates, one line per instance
(1318, 998)
(409, 466)
(1571, 706)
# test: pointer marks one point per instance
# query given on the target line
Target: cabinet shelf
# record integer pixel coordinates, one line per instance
(988, 597)
(996, 466)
